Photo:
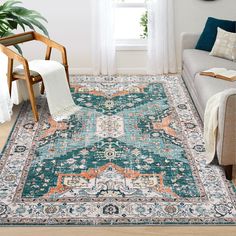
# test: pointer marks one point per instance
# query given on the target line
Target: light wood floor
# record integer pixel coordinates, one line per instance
(107, 231)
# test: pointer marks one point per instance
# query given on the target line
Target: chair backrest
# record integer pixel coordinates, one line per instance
(17, 38)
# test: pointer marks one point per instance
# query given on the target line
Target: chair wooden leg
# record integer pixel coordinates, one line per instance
(67, 75)
(42, 88)
(32, 100)
(9, 75)
(9, 84)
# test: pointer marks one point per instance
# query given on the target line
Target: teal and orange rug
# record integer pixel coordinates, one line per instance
(134, 155)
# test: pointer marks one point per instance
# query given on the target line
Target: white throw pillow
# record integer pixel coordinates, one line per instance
(224, 44)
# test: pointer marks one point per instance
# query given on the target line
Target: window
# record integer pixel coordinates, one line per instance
(130, 26)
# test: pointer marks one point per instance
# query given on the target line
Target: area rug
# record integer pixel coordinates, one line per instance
(133, 155)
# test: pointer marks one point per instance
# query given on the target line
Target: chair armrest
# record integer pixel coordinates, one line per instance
(226, 136)
(12, 55)
(52, 44)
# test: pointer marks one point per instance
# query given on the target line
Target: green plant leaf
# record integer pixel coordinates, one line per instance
(18, 48)
(12, 15)
(39, 25)
(13, 24)
(144, 24)
(8, 4)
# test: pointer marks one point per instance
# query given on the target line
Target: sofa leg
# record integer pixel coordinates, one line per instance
(228, 172)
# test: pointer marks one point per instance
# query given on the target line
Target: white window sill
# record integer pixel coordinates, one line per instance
(131, 47)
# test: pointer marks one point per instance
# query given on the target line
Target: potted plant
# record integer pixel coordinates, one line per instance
(13, 16)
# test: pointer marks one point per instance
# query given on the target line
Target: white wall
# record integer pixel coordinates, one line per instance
(70, 24)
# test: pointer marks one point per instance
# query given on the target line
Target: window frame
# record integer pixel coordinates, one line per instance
(131, 44)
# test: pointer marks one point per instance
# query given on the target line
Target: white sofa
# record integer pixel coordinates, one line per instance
(201, 88)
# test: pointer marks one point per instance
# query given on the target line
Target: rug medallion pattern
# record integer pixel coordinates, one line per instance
(133, 155)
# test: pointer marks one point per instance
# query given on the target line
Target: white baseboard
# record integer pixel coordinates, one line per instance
(132, 71)
(121, 71)
(81, 71)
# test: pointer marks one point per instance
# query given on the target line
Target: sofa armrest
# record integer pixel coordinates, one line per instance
(189, 40)
(226, 136)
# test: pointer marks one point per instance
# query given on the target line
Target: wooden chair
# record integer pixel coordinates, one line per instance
(31, 77)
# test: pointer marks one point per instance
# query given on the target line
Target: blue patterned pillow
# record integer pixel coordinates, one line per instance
(208, 36)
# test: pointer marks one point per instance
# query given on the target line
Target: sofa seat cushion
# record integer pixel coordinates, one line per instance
(206, 87)
(199, 60)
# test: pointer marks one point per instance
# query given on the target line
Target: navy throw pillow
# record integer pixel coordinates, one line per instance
(208, 36)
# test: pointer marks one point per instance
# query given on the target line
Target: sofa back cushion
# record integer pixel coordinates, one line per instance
(208, 36)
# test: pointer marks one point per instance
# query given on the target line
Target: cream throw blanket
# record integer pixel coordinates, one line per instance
(60, 102)
(211, 122)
